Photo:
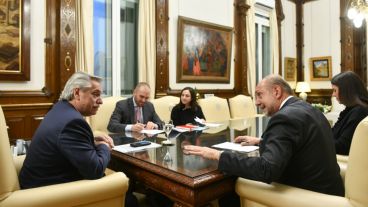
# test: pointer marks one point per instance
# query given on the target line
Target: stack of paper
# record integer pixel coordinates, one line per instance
(235, 147)
(125, 148)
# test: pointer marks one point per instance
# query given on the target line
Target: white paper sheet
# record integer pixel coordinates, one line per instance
(125, 148)
(212, 125)
(181, 129)
(151, 131)
(235, 146)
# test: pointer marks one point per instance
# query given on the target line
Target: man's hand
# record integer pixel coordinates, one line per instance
(104, 139)
(204, 152)
(138, 136)
(151, 125)
(138, 127)
(247, 140)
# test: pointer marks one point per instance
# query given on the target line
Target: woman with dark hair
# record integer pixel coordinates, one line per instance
(350, 91)
(187, 109)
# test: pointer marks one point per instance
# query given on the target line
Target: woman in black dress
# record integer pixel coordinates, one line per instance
(350, 91)
(187, 109)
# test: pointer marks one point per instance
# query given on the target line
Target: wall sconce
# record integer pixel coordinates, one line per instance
(302, 88)
(358, 11)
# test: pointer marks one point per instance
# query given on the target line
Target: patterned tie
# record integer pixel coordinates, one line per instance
(138, 116)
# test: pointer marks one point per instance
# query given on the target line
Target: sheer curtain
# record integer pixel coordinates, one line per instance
(274, 42)
(251, 47)
(147, 44)
(84, 36)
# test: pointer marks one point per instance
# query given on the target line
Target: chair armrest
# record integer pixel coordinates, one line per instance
(282, 195)
(18, 162)
(109, 189)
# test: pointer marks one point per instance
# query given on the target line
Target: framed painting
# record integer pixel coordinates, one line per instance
(204, 52)
(290, 69)
(320, 68)
(14, 40)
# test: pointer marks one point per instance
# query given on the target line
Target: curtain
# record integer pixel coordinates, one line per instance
(251, 48)
(147, 44)
(274, 42)
(84, 36)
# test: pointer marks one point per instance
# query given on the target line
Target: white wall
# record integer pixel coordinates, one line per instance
(214, 11)
(37, 50)
(321, 35)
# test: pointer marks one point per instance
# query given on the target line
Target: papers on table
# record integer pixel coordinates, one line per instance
(212, 125)
(125, 148)
(151, 131)
(235, 147)
(180, 129)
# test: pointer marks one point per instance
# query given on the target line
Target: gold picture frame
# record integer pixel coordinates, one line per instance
(204, 52)
(15, 44)
(290, 69)
(320, 68)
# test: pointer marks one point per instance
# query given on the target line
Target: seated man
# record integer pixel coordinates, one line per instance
(135, 113)
(296, 148)
(63, 148)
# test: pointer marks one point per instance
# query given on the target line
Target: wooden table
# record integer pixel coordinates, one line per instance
(188, 180)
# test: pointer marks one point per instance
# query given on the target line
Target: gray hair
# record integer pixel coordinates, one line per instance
(79, 80)
(276, 80)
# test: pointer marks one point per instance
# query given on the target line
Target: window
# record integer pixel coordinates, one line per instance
(263, 45)
(115, 26)
(263, 42)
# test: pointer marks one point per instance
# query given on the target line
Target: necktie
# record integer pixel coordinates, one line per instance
(138, 116)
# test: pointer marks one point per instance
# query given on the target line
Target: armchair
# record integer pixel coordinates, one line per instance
(164, 105)
(215, 109)
(101, 119)
(107, 191)
(253, 193)
(242, 106)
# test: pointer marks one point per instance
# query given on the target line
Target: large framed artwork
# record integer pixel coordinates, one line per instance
(320, 68)
(14, 40)
(204, 52)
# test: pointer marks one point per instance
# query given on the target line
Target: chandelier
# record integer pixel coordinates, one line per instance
(357, 11)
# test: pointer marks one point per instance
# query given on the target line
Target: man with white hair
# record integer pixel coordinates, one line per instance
(63, 148)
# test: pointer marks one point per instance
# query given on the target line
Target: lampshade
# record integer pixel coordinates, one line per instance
(302, 87)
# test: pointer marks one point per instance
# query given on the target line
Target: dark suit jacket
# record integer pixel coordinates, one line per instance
(63, 150)
(344, 128)
(297, 149)
(124, 115)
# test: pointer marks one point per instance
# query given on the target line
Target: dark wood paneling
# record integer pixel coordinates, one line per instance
(162, 48)
(353, 44)
(23, 119)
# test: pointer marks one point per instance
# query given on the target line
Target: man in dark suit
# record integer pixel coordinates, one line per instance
(63, 148)
(296, 148)
(135, 113)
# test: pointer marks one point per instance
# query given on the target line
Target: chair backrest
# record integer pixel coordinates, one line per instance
(100, 120)
(9, 178)
(164, 105)
(356, 179)
(215, 109)
(242, 106)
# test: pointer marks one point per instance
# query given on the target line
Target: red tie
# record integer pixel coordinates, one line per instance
(138, 116)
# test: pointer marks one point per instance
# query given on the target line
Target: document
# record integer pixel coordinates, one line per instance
(125, 148)
(235, 147)
(212, 125)
(151, 131)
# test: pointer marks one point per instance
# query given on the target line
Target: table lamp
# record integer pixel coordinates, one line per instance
(302, 88)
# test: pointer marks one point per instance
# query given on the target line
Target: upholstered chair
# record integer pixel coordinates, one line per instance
(164, 105)
(253, 193)
(215, 109)
(242, 106)
(101, 119)
(107, 191)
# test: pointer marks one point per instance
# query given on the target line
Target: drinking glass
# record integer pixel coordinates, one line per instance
(167, 129)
